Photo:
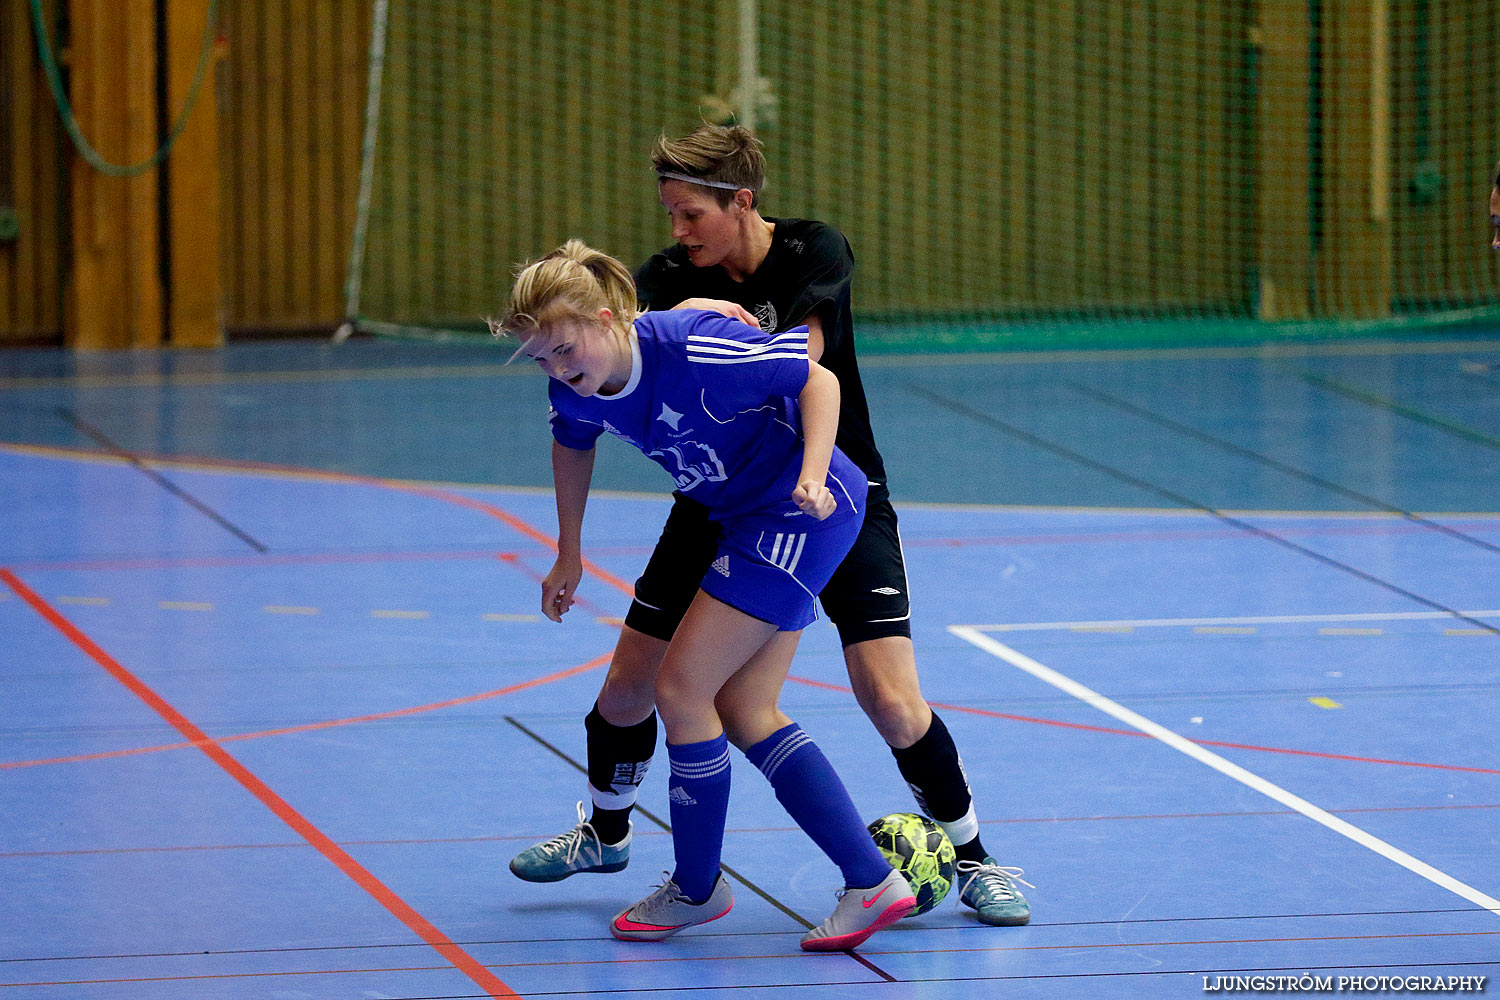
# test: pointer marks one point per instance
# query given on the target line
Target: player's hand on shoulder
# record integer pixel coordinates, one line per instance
(722, 306)
(814, 498)
(559, 585)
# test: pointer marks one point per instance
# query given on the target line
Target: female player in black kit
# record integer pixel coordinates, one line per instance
(777, 273)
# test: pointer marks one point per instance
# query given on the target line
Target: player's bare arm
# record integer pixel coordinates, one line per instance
(819, 403)
(723, 306)
(572, 472)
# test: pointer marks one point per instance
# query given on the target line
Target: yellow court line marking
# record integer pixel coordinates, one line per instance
(288, 609)
(184, 605)
(400, 614)
(1466, 631)
(1351, 631)
(1323, 702)
(93, 602)
(511, 618)
(1103, 628)
(1225, 630)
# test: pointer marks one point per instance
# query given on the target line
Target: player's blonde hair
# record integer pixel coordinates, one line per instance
(572, 282)
(724, 154)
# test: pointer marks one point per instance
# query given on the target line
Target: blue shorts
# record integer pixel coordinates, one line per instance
(772, 564)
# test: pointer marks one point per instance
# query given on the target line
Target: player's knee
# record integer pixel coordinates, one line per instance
(900, 719)
(746, 725)
(629, 690)
(894, 703)
(679, 701)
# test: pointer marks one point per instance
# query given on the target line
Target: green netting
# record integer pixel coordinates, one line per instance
(1009, 173)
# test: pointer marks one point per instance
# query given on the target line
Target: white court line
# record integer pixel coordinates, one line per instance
(1378, 616)
(1213, 760)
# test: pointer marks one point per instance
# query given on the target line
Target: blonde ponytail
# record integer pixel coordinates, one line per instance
(574, 281)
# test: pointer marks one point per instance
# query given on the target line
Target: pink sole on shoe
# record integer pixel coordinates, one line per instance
(892, 913)
(629, 930)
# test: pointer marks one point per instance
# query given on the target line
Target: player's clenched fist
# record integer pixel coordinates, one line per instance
(814, 498)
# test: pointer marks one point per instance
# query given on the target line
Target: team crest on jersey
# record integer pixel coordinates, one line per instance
(696, 463)
(765, 313)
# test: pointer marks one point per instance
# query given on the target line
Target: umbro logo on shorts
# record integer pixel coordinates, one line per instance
(722, 565)
(887, 591)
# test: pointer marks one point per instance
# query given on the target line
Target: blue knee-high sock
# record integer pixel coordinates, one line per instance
(810, 790)
(699, 794)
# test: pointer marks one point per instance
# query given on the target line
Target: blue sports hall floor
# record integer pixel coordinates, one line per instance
(1216, 630)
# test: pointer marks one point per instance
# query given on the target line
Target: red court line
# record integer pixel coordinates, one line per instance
(698, 959)
(278, 559)
(593, 664)
(579, 601)
(1132, 732)
(504, 517)
(341, 859)
(523, 528)
(419, 489)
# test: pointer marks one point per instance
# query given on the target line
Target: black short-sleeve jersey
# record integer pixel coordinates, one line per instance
(808, 270)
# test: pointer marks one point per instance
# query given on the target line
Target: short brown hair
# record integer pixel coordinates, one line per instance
(727, 154)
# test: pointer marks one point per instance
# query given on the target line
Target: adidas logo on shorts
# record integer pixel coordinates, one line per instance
(722, 565)
(887, 591)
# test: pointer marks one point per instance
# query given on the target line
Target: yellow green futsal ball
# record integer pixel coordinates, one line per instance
(920, 850)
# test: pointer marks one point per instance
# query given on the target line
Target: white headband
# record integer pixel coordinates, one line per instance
(672, 175)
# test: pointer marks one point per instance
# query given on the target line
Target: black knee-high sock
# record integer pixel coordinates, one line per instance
(618, 759)
(935, 774)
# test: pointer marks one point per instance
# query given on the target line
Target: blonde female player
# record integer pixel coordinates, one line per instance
(777, 273)
(745, 423)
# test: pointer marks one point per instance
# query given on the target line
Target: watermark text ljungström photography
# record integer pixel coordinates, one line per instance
(1380, 985)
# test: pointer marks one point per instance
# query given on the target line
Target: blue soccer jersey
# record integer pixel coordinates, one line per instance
(712, 401)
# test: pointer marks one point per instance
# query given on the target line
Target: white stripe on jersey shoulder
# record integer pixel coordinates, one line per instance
(778, 345)
(793, 355)
(698, 342)
(718, 345)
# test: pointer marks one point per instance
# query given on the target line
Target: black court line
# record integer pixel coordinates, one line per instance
(966, 927)
(1128, 407)
(99, 437)
(728, 870)
(1187, 502)
(1293, 971)
(1400, 409)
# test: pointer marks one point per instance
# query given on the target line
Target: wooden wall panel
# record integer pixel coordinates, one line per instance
(32, 183)
(995, 157)
(292, 94)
